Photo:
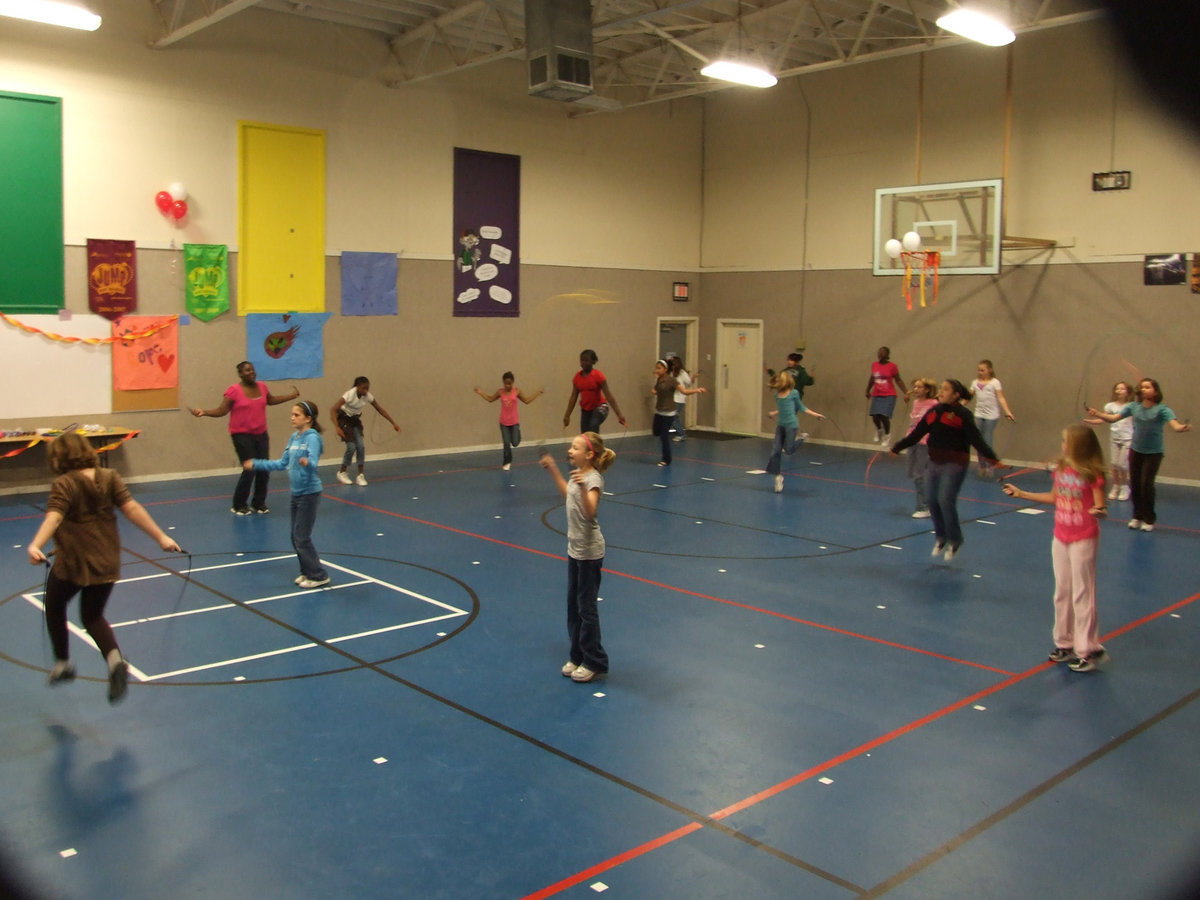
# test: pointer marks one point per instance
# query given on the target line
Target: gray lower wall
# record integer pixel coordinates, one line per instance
(1060, 333)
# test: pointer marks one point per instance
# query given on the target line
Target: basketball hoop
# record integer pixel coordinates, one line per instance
(926, 262)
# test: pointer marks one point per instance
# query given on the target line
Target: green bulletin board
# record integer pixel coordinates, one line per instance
(31, 203)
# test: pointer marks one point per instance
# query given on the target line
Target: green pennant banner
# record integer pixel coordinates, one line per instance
(207, 280)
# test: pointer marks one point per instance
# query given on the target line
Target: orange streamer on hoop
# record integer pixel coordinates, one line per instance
(929, 261)
(67, 339)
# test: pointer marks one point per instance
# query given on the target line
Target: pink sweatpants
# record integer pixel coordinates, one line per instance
(1075, 623)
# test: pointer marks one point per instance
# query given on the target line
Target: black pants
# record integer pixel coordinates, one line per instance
(251, 446)
(1143, 469)
(93, 599)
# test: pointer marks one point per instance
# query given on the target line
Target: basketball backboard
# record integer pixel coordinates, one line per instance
(959, 219)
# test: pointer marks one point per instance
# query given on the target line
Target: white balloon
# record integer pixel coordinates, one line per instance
(892, 248)
(911, 242)
(177, 191)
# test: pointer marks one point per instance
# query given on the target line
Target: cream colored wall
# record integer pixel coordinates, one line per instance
(763, 201)
(137, 119)
(823, 144)
(789, 220)
(610, 218)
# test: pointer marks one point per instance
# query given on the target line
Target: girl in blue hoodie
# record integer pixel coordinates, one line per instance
(300, 458)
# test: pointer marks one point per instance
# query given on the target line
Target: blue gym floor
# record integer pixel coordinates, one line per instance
(802, 702)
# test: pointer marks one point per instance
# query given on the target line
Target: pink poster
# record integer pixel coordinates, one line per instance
(148, 358)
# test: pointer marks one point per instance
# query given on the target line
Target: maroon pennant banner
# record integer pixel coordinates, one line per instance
(112, 278)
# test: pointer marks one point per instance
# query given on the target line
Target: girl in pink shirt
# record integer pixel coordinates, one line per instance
(510, 418)
(924, 398)
(1079, 504)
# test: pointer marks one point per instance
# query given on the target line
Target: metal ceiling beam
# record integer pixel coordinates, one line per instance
(216, 13)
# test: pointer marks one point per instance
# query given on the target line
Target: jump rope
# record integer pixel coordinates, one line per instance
(185, 577)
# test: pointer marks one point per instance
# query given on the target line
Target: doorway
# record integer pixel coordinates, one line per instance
(739, 386)
(681, 337)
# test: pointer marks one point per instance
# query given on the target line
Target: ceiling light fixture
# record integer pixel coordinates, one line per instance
(737, 70)
(739, 73)
(50, 12)
(976, 26)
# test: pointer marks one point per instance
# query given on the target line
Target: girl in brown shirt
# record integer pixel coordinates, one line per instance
(81, 518)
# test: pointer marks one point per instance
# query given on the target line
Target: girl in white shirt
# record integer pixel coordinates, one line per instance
(989, 401)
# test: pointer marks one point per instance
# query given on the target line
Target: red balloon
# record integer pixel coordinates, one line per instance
(163, 201)
(178, 208)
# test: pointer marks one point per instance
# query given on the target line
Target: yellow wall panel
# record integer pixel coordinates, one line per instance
(281, 219)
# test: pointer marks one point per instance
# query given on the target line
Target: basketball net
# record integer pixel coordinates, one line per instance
(927, 261)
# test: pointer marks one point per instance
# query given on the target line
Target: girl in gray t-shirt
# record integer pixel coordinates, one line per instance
(589, 458)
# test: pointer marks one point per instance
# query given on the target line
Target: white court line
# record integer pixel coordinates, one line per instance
(451, 612)
(245, 562)
(335, 640)
(396, 587)
(86, 638)
(144, 620)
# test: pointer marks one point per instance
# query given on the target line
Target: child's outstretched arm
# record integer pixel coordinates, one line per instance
(612, 401)
(547, 462)
(383, 412)
(528, 400)
(490, 398)
(136, 513)
(1013, 491)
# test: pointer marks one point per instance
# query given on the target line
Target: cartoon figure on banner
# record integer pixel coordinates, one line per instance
(469, 255)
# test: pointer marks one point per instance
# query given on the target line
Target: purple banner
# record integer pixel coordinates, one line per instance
(487, 215)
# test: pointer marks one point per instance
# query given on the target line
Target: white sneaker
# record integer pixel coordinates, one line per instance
(1135, 524)
(343, 478)
(951, 552)
(361, 480)
(583, 674)
(778, 484)
(313, 582)
(921, 514)
(1147, 526)
(937, 549)
(298, 579)
(506, 466)
(1124, 493)
(568, 669)
(1112, 492)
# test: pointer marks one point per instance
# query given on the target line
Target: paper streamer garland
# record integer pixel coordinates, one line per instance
(67, 339)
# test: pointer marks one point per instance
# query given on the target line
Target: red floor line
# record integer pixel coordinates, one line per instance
(669, 587)
(811, 624)
(782, 786)
(831, 763)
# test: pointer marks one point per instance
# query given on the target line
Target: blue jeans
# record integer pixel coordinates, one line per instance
(304, 515)
(943, 481)
(592, 419)
(354, 445)
(251, 446)
(785, 442)
(583, 615)
(662, 431)
(987, 428)
(511, 435)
